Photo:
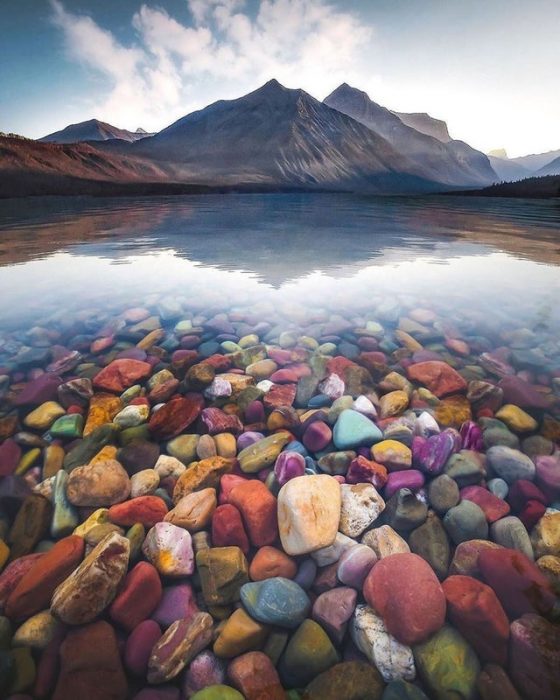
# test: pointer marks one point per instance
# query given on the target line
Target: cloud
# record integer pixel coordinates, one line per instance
(172, 68)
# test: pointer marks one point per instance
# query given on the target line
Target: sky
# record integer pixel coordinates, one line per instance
(488, 67)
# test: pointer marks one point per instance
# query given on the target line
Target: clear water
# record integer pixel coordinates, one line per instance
(287, 257)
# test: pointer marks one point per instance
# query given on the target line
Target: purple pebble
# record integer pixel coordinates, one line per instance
(317, 436)
(247, 439)
(406, 479)
(177, 602)
(288, 465)
(139, 646)
(204, 670)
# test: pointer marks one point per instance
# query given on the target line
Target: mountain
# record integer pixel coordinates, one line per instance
(426, 124)
(498, 153)
(286, 137)
(536, 161)
(552, 168)
(31, 168)
(454, 163)
(508, 170)
(93, 130)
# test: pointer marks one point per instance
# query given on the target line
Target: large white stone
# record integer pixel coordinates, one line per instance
(361, 506)
(393, 660)
(308, 513)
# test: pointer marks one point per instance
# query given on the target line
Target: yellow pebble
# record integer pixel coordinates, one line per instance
(516, 419)
(4, 553)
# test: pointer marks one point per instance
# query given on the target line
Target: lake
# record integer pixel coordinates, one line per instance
(322, 406)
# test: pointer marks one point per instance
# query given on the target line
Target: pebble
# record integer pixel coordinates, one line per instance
(308, 513)
(261, 484)
(169, 549)
(91, 587)
(276, 601)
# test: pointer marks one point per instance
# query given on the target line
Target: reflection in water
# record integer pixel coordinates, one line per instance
(335, 251)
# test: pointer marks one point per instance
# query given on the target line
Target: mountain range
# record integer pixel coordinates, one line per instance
(273, 138)
(522, 167)
(93, 130)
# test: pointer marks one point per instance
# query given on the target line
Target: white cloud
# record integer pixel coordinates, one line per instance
(173, 68)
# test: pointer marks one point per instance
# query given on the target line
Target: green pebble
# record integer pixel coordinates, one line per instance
(249, 340)
(138, 432)
(68, 427)
(24, 670)
(287, 339)
(308, 342)
(327, 348)
(228, 346)
(136, 535)
(86, 450)
(183, 448)
(218, 692)
(65, 516)
(309, 653)
(133, 392)
(447, 665)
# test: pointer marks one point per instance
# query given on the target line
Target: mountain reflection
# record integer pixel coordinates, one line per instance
(280, 238)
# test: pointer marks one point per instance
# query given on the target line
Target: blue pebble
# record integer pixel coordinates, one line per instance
(353, 429)
(319, 401)
(296, 446)
(276, 601)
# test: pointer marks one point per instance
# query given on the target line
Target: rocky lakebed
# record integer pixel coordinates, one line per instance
(222, 504)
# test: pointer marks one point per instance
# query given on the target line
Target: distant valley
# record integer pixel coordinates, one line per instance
(274, 138)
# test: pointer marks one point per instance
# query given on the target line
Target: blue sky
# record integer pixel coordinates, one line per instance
(489, 67)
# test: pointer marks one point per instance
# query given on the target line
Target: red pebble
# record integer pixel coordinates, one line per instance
(138, 598)
(228, 529)
(227, 483)
(74, 409)
(147, 510)
(476, 612)
(48, 665)
(493, 507)
(139, 645)
(139, 401)
(254, 675)
(405, 591)
(258, 509)
(517, 581)
(531, 514)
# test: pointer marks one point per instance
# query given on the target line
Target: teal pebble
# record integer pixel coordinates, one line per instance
(65, 516)
(70, 426)
(353, 429)
(276, 601)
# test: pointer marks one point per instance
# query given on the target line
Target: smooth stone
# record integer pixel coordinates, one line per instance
(411, 479)
(276, 601)
(65, 516)
(498, 487)
(466, 467)
(333, 610)
(465, 558)
(361, 505)
(308, 513)
(432, 455)
(447, 665)
(144, 483)
(228, 529)
(520, 585)
(90, 665)
(351, 680)
(177, 602)
(392, 454)
(288, 465)
(393, 403)
(493, 507)
(510, 464)
(132, 416)
(93, 585)
(385, 541)
(194, 511)
(139, 645)
(308, 653)
(223, 572)
(443, 493)
(516, 419)
(510, 532)
(391, 590)
(403, 690)
(355, 564)
(183, 448)
(465, 521)
(42, 417)
(269, 562)
(179, 644)
(263, 453)
(204, 672)
(258, 508)
(336, 463)
(474, 609)
(353, 429)
(494, 684)
(98, 484)
(534, 663)
(30, 525)
(33, 591)
(255, 677)
(393, 660)
(548, 475)
(431, 543)
(36, 632)
(217, 692)
(239, 634)
(332, 553)
(169, 549)
(138, 597)
(545, 536)
(404, 511)
(438, 377)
